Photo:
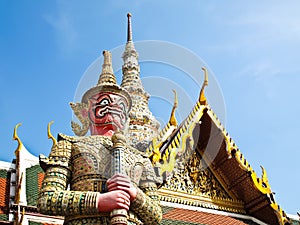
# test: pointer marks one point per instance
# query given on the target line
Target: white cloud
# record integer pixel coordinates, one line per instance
(269, 22)
(263, 38)
(261, 71)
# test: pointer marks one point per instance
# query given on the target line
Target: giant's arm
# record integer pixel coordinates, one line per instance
(54, 198)
(146, 203)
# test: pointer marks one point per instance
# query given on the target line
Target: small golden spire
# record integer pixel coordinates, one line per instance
(129, 32)
(173, 120)
(202, 98)
(50, 136)
(107, 74)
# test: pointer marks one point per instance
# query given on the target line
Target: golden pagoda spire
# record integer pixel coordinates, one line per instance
(107, 74)
(106, 81)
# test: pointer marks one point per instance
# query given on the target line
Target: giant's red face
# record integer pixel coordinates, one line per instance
(107, 113)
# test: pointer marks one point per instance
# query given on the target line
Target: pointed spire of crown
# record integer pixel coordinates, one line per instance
(129, 32)
(107, 74)
(107, 81)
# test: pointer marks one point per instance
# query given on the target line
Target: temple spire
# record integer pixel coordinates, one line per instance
(142, 126)
(131, 68)
(129, 32)
(107, 74)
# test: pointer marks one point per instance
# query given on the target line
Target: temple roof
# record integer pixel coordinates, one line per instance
(193, 217)
(216, 150)
(236, 174)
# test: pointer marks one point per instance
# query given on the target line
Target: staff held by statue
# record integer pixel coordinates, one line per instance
(118, 216)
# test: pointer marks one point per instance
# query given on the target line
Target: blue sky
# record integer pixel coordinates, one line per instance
(252, 48)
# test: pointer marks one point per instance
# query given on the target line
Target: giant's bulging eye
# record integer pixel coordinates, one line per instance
(104, 102)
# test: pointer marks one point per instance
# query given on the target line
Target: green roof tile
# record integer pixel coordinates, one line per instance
(3, 217)
(32, 184)
(3, 173)
(34, 223)
(166, 209)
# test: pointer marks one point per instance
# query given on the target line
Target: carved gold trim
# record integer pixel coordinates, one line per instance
(228, 205)
(218, 177)
(177, 146)
(187, 125)
(282, 217)
(153, 151)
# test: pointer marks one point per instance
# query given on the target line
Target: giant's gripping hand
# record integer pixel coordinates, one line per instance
(146, 203)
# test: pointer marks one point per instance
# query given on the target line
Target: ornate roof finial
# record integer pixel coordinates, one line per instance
(129, 32)
(202, 98)
(107, 74)
(16, 137)
(173, 120)
(50, 136)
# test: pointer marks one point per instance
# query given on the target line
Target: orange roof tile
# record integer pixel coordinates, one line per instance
(4, 195)
(201, 217)
(40, 180)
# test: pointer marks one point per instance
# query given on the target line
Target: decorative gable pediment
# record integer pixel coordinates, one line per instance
(193, 183)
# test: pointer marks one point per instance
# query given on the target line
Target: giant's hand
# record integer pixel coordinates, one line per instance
(122, 182)
(116, 199)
